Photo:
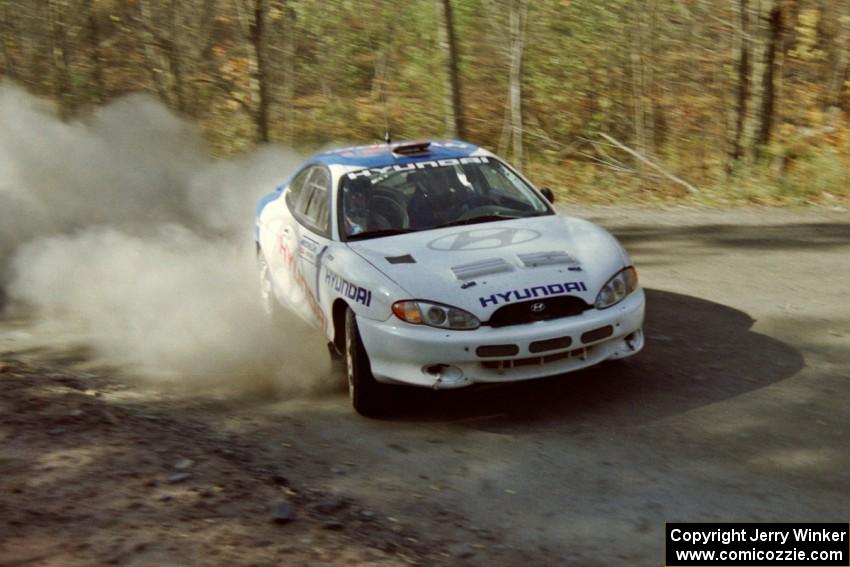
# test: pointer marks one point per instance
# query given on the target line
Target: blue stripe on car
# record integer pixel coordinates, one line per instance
(382, 154)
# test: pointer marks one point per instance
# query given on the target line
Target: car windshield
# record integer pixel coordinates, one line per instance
(432, 194)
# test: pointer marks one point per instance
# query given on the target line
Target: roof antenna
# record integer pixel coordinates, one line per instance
(383, 97)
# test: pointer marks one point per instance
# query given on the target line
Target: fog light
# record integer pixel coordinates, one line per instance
(436, 369)
(445, 374)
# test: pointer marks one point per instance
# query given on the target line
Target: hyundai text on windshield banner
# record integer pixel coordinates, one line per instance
(757, 544)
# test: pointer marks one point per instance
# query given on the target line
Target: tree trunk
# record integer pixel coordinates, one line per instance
(519, 11)
(290, 17)
(452, 97)
(641, 56)
(636, 59)
(767, 112)
(60, 58)
(9, 67)
(649, 60)
(741, 53)
(259, 39)
(764, 31)
(161, 75)
(173, 52)
(99, 90)
(840, 55)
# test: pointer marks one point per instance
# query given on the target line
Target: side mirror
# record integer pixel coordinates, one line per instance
(548, 194)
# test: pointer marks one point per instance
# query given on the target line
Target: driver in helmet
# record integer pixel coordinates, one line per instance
(357, 216)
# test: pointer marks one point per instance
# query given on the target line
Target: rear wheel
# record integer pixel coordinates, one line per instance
(367, 395)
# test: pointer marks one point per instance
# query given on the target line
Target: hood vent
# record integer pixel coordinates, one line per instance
(482, 268)
(406, 259)
(547, 259)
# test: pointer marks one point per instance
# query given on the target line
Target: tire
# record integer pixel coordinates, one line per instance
(337, 360)
(368, 396)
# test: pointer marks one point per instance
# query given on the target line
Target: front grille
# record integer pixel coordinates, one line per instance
(550, 344)
(506, 364)
(531, 311)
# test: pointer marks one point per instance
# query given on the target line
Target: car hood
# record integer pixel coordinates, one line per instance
(485, 266)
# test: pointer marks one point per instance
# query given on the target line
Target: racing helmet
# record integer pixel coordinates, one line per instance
(359, 187)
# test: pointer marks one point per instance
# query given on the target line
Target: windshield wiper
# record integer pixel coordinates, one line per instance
(476, 220)
(379, 233)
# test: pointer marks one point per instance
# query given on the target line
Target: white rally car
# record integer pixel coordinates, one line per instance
(436, 264)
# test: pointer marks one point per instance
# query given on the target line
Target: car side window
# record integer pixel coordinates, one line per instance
(309, 198)
(316, 209)
(295, 191)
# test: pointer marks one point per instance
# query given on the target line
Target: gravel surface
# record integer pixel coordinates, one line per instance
(736, 411)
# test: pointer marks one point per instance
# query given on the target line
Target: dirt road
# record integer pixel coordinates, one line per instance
(736, 411)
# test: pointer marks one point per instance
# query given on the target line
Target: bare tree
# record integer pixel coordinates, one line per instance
(259, 39)
(97, 63)
(638, 81)
(7, 41)
(741, 55)
(448, 43)
(518, 14)
(256, 19)
(170, 41)
(175, 35)
(289, 76)
(57, 14)
(839, 54)
(162, 74)
(758, 42)
(771, 31)
(764, 31)
(641, 48)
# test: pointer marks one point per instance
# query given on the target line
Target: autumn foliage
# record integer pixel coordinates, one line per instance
(602, 100)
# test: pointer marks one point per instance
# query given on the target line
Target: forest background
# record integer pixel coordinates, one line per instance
(709, 101)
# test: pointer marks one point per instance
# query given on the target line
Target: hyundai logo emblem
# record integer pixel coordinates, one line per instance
(538, 307)
(483, 239)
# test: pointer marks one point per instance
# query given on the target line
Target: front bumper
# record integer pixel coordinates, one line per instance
(424, 356)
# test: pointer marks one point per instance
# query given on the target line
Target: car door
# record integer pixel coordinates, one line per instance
(279, 240)
(312, 212)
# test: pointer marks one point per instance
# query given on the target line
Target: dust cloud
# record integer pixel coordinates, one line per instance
(120, 230)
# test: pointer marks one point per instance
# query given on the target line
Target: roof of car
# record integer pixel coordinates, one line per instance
(383, 154)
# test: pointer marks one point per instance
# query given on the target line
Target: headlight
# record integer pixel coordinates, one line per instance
(435, 315)
(617, 288)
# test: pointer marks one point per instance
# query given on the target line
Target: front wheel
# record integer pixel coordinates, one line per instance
(367, 395)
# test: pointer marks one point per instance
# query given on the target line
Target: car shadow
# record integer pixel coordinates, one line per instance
(652, 244)
(698, 352)
(821, 235)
